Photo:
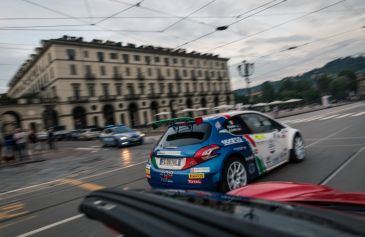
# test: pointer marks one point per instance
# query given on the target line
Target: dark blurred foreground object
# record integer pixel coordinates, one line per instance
(195, 213)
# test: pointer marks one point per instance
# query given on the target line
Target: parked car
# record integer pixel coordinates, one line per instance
(60, 132)
(121, 136)
(42, 136)
(74, 135)
(224, 151)
(90, 134)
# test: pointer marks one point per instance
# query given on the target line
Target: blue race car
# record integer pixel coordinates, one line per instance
(120, 136)
(222, 151)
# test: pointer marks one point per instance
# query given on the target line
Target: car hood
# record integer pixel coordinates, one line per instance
(298, 192)
(126, 134)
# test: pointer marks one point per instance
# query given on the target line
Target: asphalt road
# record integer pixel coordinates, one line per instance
(41, 199)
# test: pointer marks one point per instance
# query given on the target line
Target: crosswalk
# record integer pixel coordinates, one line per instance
(325, 117)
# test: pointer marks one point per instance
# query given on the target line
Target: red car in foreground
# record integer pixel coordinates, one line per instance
(311, 194)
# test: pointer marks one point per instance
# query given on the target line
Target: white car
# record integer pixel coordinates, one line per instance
(90, 134)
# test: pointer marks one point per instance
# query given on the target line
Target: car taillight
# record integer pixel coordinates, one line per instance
(203, 154)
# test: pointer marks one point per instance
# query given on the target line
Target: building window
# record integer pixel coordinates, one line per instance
(100, 56)
(149, 72)
(174, 60)
(168, 72)
(141, 88)
(162, 88)
(73, 69)
(198, 63)
(125, 58)
(105, 89)
(152, 88)
(199, 73)
(191, 62)
(157, 59)
(102, 70)
(183, 62)
(86, 54)
(127, 71)
(88, 69)
(185, 73)
(113, 56)
(136, 57)
(187, 87)
(54, 92)
(171, 88)
(71, 54)
(167, 62)
(178, 87)
(148, 60)
(115, 70)
(122, 119)
(130, 88)
(118, 88)
(76, 90)
(49, 56)
(96, 121)
(177, 75)
(91, 89)
(212, 73)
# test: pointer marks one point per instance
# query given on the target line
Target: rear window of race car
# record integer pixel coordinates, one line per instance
(177, 136)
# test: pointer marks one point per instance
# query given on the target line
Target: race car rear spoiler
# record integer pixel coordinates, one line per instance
(140, 213)
(172, 121)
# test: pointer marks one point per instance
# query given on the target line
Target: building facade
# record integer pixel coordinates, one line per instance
(77, 84)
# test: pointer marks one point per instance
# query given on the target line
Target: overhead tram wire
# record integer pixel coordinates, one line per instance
(75, 18)
(304, 44)
(191, 13)
(276, 26)
(235, 22)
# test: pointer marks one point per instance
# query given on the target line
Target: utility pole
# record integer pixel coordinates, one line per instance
(246, 69)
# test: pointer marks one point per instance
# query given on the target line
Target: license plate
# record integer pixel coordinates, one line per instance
(170, 162)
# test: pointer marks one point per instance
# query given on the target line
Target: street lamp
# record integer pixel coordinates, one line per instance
(246, 69)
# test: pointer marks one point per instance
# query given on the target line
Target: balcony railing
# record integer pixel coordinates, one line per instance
(154, 95)
(90, 76)
(107, 97)
(78, 99)
(117, 76)
(132, 97)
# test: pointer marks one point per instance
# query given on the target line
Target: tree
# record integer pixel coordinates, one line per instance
(323, 83)
(311, 95)
(268, 93)
(339, 88)
(350, 76)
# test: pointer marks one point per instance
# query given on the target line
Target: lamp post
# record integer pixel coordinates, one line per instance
(246, 69)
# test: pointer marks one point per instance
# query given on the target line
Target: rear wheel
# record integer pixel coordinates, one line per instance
(234, 175)
(297, 153)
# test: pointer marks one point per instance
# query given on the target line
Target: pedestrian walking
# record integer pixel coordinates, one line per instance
(20, 137)
(9, 147)
(33, 142)
(51, 139)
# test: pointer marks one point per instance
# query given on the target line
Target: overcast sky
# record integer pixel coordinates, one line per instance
(258, 30)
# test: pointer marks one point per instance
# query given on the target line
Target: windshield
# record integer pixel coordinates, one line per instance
(122, 129)
(182, 135)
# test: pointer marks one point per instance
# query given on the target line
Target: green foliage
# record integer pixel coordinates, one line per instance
(323, 84)
(268, 93)
(339, 88)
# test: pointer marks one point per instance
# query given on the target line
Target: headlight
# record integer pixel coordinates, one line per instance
(142, 134)
(123, 138)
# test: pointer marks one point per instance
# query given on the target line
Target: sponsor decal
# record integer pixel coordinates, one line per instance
(248, 158)
(218, 125)
(169, 153)
(195, 181)
(252, 142)
(271, 146)
(259, 136)
(232, 141)
(200, 170)
(148, 171)
(240, 148)
(148, 166)
(166, 176)
(251, 168)
(197, 176)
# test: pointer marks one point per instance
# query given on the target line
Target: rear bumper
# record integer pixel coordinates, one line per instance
(186, 179)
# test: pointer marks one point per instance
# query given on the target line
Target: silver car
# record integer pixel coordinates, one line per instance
(121, 136)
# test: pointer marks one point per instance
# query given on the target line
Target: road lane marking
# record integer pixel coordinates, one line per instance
(358, 114)
(51, 225)
(61, 180)
(332, 116)
(342, 166)
(84, 185)
(345, 115)
(12, 210)
(17, 221)
(325, 138)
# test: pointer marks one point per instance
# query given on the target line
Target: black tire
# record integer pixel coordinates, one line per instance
(297, 155)
(224, 185)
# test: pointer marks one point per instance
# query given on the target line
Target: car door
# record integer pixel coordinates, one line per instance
(265, 136)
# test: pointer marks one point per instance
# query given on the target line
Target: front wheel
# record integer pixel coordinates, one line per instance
(297, 153)
(234, 175)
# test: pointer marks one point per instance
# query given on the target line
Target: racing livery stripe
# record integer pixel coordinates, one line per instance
(250, 140)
